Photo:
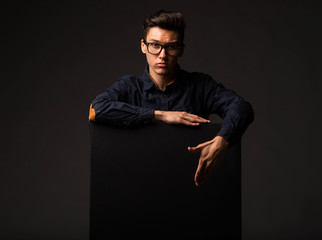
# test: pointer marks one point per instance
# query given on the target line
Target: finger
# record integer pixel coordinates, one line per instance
(194, 149)
(195, 118)
(200, 172)
(204, 172)
(200, 119)
(198, 148)
(189, 123)
(209, 171)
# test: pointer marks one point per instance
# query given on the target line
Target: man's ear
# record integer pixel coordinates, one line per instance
(143, 47)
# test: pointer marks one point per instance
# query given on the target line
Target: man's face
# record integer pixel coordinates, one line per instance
(162, 63)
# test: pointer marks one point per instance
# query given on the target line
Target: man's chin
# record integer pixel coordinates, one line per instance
(162, 71)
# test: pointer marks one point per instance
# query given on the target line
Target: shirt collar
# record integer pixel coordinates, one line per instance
(148, 82)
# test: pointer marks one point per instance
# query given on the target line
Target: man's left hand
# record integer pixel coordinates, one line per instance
(211, 154)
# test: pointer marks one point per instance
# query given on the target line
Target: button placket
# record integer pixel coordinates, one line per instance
(165, 102)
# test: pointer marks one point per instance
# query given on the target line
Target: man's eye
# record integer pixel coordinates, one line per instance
(173, 46)
(155, 45)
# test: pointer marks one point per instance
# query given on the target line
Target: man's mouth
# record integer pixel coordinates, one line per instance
(162, 64)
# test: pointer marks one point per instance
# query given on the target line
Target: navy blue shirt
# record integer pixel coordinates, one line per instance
(132, 100)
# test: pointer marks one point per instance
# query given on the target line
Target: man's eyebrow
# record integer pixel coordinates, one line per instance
(154, 40)
(157, 41)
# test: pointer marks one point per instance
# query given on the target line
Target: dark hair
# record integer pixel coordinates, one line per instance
(166, 20)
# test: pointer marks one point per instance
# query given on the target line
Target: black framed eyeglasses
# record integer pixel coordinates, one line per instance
(172, 49)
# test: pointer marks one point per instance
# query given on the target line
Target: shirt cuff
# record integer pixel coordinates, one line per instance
(146, 115)
(228, 133)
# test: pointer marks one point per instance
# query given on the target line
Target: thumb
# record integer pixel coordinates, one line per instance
(199, 147)
(195, 149)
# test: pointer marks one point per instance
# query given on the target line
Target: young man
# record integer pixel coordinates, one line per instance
(166, 93)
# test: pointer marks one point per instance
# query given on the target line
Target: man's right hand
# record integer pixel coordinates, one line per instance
(173, 117)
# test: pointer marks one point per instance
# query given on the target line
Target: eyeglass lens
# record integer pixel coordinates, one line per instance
(155, 48)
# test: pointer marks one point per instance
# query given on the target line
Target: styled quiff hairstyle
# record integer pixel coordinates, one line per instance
(166, 20)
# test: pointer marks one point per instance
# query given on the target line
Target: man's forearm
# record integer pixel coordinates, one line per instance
(121, 114)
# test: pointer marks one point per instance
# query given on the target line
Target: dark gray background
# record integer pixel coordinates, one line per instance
(59, 55)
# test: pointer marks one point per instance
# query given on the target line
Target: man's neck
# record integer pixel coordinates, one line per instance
(162, 81)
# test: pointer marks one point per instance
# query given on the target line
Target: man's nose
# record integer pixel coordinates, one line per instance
(163, 53)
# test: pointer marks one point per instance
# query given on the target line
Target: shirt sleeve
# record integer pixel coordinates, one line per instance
(236, 113)
(112, 107)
